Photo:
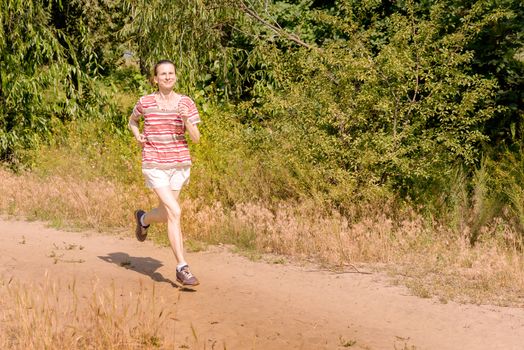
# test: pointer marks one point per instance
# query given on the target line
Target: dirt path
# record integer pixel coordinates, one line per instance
(255, 305)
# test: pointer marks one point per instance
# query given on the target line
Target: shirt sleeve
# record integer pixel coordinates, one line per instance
(188, 110)
(138, 110)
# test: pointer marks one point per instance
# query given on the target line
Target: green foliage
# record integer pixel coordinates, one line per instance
(32, 64)
(194, 34)
(508, 176)
(88, 150)
(43, 84)
(92, 26)
(399, 112)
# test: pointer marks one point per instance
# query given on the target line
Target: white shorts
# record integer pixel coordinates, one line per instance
(174, 178)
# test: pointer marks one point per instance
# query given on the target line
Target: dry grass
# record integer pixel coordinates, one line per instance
(54, 316)
(432, 260)
(65, 202)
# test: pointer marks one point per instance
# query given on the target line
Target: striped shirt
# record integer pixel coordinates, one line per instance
(166, 146)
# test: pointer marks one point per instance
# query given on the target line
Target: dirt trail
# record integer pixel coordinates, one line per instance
(256, 305)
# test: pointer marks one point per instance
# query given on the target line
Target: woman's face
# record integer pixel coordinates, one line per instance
(165, 76)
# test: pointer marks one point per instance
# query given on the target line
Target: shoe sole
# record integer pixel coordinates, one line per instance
(187, 285)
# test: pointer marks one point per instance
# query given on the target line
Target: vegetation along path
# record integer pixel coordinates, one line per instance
(241, 304)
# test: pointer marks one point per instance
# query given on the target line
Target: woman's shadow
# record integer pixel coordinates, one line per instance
(144, 265)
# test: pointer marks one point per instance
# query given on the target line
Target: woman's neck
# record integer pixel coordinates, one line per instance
(165, 93)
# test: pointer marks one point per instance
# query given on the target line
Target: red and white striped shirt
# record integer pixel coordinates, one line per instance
(166, 145)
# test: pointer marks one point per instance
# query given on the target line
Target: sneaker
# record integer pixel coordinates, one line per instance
(185, 277)
(140, 231)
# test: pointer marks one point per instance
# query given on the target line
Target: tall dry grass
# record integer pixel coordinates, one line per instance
(52, 316)
(431, 258)
(67, 202)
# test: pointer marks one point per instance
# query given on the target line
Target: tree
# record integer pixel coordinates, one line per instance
(33, 65)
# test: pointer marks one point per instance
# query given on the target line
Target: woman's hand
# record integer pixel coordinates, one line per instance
(133, 126)
(141, 139)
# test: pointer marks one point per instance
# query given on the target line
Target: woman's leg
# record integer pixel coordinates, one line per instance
(169, 211)
(158, 214)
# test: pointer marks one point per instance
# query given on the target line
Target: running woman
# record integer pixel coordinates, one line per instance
(166, 161)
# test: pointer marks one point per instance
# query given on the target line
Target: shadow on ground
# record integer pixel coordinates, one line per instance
(144, 265)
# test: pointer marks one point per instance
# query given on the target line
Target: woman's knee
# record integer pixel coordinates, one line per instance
(168, 203)
(173, 211)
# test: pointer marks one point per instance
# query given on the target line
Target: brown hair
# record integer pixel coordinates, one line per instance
(160, 63)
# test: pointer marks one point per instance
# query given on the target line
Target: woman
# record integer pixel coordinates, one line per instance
(165, 157)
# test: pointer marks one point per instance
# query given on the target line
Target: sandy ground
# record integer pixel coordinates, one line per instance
(242, 304)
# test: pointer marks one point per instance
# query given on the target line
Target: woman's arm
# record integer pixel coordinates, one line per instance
(133, 126)
(193, 131)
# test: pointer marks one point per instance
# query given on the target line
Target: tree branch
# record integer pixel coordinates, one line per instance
(280, 32)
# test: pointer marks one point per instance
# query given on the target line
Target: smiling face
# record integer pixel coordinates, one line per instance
(165, 76)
